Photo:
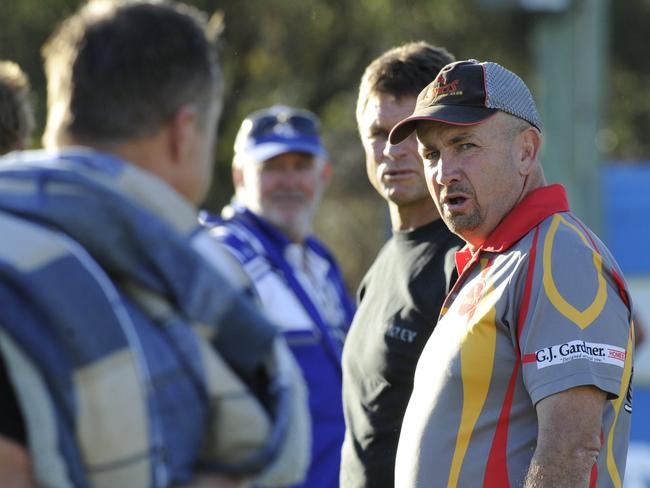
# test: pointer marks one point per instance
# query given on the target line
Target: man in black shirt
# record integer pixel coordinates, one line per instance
(401, 295)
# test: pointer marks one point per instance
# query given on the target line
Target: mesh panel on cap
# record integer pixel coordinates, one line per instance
(508, 93)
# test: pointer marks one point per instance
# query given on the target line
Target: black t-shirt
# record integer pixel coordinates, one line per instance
(399, 302)
(11, 420)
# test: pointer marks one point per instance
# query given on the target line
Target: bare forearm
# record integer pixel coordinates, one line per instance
(216, 481)
(561, 471)
(568, 440)
(15, 465)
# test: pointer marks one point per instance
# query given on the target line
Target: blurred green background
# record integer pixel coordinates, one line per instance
(585, 61)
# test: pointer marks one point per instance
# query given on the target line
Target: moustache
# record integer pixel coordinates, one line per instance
(456, 188)
(288, 197)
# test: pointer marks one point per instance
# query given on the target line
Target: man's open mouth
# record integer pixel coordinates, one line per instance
(456, 200)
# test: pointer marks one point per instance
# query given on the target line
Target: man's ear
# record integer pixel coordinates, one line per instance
(530, 142)
(182, 133)
(237, 176)
(326, 172)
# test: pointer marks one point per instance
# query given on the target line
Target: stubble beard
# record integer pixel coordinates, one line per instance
(461, 223)
(299, 225)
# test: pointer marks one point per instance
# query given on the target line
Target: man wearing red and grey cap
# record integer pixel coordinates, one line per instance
(527, 377)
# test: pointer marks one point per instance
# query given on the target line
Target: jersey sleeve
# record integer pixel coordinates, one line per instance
(577, 328)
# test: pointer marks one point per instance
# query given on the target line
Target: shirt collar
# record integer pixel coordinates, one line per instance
(275, 235)
(526, 215)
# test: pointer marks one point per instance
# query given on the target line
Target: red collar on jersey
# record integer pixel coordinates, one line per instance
(533, 209)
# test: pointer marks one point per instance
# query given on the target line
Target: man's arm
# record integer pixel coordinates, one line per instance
(568, 441)
(15, 470)
(639, 330)
(15, 465)
(215, 481)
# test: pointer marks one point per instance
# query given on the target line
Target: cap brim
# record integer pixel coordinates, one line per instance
(447, 114)
(268, 150)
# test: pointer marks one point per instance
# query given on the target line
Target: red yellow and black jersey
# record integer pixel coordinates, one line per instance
(539, 308)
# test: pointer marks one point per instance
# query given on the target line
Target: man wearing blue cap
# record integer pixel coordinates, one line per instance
(280, 170)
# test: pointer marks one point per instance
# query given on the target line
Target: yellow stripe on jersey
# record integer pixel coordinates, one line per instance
(616, 404)
(477, 359)
(582, 318)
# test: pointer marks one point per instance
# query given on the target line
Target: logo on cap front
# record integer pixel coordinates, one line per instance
(285, 129)
(441, 89)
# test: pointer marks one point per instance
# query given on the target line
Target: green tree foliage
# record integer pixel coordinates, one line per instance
(311, 53)
(25, 25)
(628, 81)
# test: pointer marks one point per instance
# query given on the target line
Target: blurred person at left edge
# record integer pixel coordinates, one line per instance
(126, 359)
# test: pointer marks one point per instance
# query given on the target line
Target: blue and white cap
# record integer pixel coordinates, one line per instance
(277, 130)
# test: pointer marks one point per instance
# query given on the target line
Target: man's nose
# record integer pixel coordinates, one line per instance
(394, 151)
(448, 169)
(289, 176)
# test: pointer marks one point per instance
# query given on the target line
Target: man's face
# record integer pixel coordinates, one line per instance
(394, 171)
(472, 173)
(285, 190)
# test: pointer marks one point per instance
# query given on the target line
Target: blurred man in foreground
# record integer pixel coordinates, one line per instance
(400, 296)
(526, 379)
(280, 170)
(128, 361)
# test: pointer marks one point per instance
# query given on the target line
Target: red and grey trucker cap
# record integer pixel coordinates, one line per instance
(467, 93)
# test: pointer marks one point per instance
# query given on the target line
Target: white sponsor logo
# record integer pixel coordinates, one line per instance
(569, 351)
(401, 333)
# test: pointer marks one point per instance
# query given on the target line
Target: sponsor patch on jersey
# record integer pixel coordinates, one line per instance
(570, 351)
(401, 333)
